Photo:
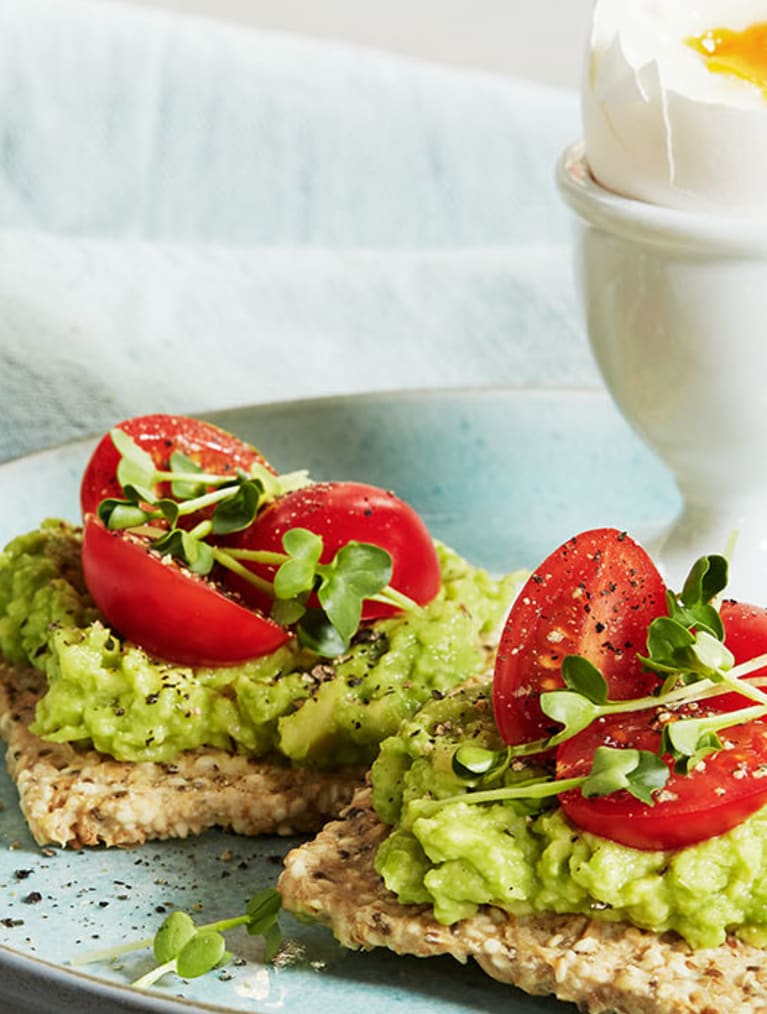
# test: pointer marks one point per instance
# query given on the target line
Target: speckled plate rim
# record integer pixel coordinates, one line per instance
(13, 962)
(220, 416)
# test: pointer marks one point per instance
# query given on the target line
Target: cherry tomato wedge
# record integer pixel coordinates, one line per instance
(169, 612)
(213, 449)
(341, 512)
(594, 596)
(727, 787)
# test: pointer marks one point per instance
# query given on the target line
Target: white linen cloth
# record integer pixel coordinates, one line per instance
(194, 216)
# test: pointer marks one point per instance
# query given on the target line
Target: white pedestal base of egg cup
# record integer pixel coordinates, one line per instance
(676, 312)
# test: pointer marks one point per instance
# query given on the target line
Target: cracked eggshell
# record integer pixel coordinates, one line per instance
(658, 125)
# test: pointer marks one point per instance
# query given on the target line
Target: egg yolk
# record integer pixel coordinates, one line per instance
(741, 54)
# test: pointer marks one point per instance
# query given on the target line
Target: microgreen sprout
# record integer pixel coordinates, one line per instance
(689, 740)
(180, 946)
(136, 469)
(639, 772)
(358, 571)
(478, 766)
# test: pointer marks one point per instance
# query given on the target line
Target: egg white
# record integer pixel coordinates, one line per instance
(661, 127)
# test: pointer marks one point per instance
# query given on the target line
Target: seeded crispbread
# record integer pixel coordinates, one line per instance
(74, 796)
(600, 966)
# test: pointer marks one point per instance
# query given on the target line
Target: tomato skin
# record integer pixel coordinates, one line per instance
(341, 512)
(745, 631)
(593, 596)
(730, 785)
(171, 614)
(160, 435)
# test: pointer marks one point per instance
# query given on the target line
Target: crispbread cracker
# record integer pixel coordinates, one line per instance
(72, 796)
(600, 966)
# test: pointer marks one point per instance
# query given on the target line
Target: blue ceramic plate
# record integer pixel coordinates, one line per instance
(502, 475)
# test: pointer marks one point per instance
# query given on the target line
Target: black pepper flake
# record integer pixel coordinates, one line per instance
(32, 898)
(22, 874)
(11, 923)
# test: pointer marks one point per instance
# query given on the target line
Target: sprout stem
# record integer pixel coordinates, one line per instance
(151, 977)
(108, 953)
(525, 790)
(226, 559)
(390, 596)
(259, 556)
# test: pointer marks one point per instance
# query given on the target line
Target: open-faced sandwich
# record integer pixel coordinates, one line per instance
(591, 823)
(218, 644)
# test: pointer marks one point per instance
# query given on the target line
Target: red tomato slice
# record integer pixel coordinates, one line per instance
(213, 449)
(341, 512)
(168, 611)
(745, 631)
(729, 786)
(594, 596)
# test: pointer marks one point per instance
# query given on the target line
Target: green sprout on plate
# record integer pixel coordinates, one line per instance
(181, 947)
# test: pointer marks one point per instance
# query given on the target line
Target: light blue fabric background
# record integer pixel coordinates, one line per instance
(195, 216)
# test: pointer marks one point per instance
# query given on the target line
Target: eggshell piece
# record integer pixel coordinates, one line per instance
(658, 125)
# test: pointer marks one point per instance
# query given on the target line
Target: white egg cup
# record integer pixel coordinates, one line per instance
(676, 311)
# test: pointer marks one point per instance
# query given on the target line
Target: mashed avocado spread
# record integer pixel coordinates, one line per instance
(462, 855)
(110, 693)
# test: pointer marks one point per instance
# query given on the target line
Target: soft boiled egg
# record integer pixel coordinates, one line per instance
(675, 102)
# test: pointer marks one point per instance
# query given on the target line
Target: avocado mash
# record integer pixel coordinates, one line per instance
(524, 860)
(110, 693)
